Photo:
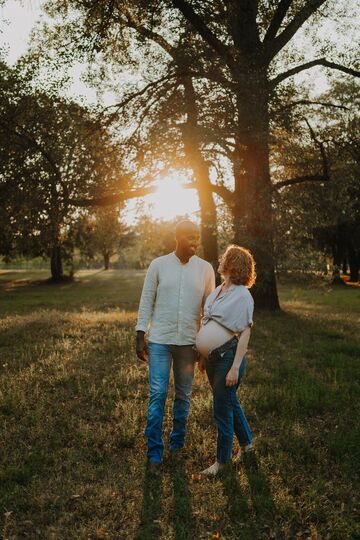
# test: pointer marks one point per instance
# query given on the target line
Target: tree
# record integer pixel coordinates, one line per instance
(324, 215)
(101, 232)
(52, 151)
(245, 41)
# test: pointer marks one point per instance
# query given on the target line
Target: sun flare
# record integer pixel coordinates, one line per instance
(170, 199)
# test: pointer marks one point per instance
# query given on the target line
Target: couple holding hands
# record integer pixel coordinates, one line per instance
(177, 287)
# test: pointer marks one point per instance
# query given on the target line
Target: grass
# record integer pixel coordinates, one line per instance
(73, 407)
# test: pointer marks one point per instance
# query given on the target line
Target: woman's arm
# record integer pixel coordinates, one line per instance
(233, 373)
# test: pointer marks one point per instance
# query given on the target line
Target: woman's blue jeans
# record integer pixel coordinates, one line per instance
(228, 414)
(161, 357)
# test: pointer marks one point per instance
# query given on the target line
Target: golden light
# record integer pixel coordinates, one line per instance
(169, 200)
(172, 199)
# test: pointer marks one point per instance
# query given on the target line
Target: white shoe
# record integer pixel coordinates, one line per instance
(244, 450)
(213, 470)
(249, 448)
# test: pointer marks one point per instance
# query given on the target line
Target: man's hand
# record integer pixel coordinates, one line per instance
(232, 376)
(141, 347)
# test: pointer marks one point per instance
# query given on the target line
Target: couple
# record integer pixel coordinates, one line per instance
(176, 288)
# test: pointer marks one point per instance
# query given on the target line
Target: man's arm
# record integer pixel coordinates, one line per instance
(146, 306)
(209, 283)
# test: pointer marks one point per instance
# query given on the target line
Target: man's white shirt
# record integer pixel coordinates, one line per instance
(172, 298)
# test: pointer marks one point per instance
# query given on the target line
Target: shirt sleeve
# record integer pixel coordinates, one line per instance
(148, 296)
(245, 317)
(209, 283)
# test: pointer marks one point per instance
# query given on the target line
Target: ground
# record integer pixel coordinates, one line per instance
(73, 402)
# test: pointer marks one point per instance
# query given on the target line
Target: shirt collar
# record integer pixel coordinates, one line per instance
(177, 258)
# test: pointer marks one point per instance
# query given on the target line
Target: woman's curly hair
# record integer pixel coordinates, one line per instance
(239, 264)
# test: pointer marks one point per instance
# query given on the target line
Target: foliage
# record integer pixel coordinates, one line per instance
(101, 232)
(52, 152)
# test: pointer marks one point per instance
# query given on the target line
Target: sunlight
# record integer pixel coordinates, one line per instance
(169, 200)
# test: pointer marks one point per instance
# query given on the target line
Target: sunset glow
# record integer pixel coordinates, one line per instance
(169, 200)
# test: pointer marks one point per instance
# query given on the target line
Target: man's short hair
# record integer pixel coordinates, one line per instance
(184, 226)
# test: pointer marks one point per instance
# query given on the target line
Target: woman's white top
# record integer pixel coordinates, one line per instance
(234, 309)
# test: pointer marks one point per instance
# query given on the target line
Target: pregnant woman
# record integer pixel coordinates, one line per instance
(222, 342)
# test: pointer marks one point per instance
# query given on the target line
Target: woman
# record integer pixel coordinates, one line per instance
(222, 342)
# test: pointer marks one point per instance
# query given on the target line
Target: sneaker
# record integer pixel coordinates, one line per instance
(249, 448)
(213, 470)
(244, 450)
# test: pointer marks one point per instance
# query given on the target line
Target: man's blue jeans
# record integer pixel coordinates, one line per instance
(228, 414)
(161, 357)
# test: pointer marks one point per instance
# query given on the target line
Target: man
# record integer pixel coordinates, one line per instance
(174, 291)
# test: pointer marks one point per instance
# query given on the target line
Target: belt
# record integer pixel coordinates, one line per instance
(220, 351)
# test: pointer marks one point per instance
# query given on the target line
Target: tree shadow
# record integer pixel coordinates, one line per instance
(149, 527)
(183, 520)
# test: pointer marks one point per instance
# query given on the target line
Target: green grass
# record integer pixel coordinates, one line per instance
(73, 406)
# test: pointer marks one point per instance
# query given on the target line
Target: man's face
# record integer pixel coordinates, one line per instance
(188, 241)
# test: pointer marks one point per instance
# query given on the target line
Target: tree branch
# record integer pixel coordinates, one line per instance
(197, 22)
(277, 20)
(139, 93)
(22, 134)
(108, 200)
(149, 34)
(275, 45)
(226, 194)
(318, 62)
(300, 180)
(322, 150)
(324, 177)
(309, 102)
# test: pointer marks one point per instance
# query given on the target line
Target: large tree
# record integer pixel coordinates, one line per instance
(248, 43)
(52, 151)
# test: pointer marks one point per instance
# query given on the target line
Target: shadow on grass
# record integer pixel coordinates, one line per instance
(149, 527)
(238, 507)
(260, 492)
(182, 512)
(249, 523)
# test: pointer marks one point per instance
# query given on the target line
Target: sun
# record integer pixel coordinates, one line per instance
(170, 199)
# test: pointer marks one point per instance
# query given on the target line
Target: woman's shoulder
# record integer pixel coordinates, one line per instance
(243, 292)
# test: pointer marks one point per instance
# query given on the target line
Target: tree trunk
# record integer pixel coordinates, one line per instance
(56, 263)
(201, 175)
(106, 256)
(338, 250)
(344, 266)
(253, 227)
(353, 263)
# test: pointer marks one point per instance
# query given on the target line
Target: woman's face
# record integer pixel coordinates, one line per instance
(221, 266)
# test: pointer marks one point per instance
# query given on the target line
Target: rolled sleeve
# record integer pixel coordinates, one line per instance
(245, 315)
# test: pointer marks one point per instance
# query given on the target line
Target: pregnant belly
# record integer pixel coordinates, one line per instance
(210, 336)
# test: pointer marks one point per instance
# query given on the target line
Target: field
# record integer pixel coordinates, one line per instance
(73, 406)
